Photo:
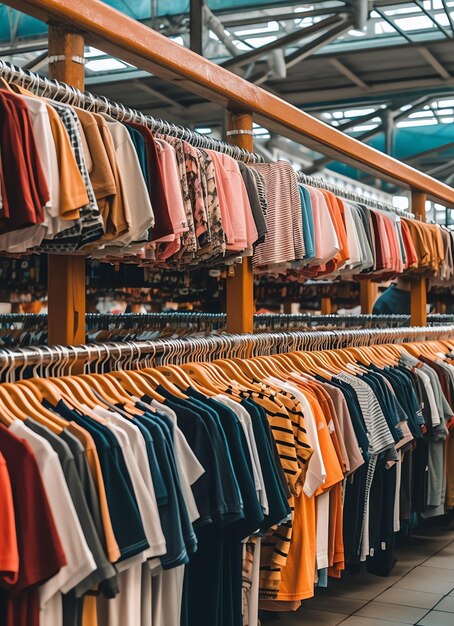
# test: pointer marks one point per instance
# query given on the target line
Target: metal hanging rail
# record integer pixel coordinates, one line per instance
(341, 192)
(70, 95)
(130, 354)
(124, 38)
(266, 321)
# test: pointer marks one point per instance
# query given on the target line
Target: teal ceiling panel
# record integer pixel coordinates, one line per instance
(16, 26)
(407, 143)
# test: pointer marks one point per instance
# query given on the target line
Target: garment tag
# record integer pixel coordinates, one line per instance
(372, 552)
(331, 426)
(383, 545)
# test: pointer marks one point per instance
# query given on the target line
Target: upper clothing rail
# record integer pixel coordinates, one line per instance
(123, 37)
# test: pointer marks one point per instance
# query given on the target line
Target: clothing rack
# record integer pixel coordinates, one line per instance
(58, 90)
(91, 22)
(270, 320)
(137, 327)
(55, 360)
(321, 183)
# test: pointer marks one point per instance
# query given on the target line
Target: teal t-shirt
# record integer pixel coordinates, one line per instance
(393, 301)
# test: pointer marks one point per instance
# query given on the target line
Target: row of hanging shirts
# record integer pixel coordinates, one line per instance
(334, 237)
(82, 181)
(192, 494)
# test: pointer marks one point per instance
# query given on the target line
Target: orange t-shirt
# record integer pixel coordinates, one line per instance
(113, 551)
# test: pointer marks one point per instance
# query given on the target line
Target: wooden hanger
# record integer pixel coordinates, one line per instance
(175, 375)
(30, 406)
(8, 410)
(235, 375)
(202, 378)
(156, 378)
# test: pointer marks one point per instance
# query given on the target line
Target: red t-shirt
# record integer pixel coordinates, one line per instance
(9, 556)
(41, 555)
(163, 226)
(24, 185)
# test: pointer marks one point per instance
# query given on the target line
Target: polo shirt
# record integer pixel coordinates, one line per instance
(123, 509)
(278, 508)
(227, 487)
(104, 573)
(41, 554)
(169, 512)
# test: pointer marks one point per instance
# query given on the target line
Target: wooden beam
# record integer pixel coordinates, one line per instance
(326, 305)
(419, 286)
(125, 38)
(419, 302)
(240, 285)
(368, 295)
(66, 274)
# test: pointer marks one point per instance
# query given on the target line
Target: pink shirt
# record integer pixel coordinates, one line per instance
(236, 213)
(174, 197)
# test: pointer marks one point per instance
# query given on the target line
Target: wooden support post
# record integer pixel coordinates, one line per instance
(367, 294)
(66, 276)
(326, 305)
(419, 287)
(240, 286)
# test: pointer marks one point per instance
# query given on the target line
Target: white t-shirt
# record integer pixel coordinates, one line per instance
(188, 466)
(146, 500)
(246, 423)
(135, 193)
(316, 472)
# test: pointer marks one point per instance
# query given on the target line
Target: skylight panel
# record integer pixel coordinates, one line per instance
(415, 123)
(105, 65)
(418, 22)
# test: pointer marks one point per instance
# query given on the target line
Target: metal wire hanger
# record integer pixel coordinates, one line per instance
(341, 192)
(57, 90)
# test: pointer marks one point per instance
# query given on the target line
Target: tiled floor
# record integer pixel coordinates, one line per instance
(419, 591)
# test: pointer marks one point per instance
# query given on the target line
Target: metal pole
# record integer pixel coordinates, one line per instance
(196, 25)
(283, 42)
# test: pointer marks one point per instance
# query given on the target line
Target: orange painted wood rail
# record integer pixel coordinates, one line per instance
(121, 36)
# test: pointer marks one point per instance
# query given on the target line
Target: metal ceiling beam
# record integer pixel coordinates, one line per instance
(448, 15)
(308, 49)
(282, 42)
(441, 28)
(39, 44)
(159, 96)
(196, 25)
(394, 111)
(36, 63)
(348, 73)
(440, 169)
(384, 17)
(346, 94)
(434, 62)
(232, 22)
(215, 25)
(315, 45)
